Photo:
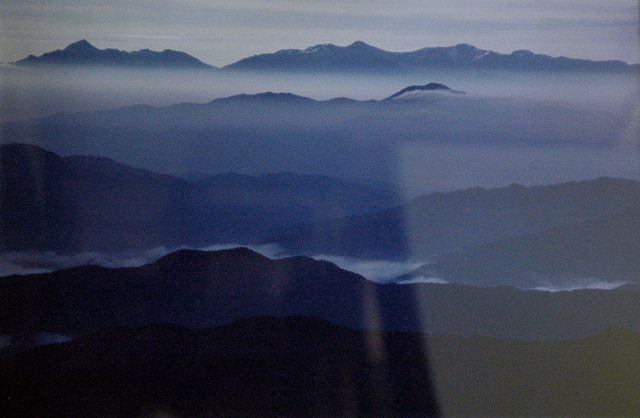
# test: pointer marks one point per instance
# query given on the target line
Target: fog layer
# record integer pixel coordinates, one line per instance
(508, 127)
(31, 92)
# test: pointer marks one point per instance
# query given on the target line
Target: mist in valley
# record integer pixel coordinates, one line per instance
(30, 92)
(507, 127)
(504, 128)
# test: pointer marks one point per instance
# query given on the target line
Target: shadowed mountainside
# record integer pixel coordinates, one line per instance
(305, 366)
(201, 289)
(440, 223)
(606, 249)
(257, 367)
(479, 376)
(85, 203)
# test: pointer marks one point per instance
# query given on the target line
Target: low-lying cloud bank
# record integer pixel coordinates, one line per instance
(379, 271)
(423, 279)
(594, 284)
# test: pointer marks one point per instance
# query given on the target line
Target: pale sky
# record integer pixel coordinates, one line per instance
(221, 32)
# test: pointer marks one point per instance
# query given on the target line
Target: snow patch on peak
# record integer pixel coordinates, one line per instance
(481, 54)
(317, 48)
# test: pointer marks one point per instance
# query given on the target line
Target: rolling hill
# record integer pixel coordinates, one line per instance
(85, 203)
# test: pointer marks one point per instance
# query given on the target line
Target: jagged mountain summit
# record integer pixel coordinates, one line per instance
(83, 53)
(361, 57)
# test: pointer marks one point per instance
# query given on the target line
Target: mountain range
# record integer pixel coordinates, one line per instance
(201, 289)
(440, 223)
(555, 235)
(82, 53)
(234, 332)
(273, 132)
(85, 203)
(361, 57)
(357, 57)
(605, 249)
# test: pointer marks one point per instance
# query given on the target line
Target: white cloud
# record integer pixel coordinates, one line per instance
(594, 284)
(423, 279)
(30, 262)
(375, 270)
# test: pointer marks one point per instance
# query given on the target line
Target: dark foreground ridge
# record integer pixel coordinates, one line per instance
(200, 289)
(262, 366)
(302, 366)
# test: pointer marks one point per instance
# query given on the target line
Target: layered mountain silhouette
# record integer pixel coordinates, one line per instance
(201, 289)
(360, 57)
(519, 236)
(304, 366)
(606, 248)
(272, 132)
(85, 203)
(441, 223)
(82, 53)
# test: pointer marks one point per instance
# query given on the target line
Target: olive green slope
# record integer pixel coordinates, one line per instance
(599, 376)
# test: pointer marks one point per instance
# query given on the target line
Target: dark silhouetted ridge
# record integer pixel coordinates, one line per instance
(263, 366)
(88, 203)
(203, 289)
(83, 53)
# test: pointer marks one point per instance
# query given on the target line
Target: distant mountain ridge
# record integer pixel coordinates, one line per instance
(288, 132)
(83, 53)
(361, 57)
(356, 57)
